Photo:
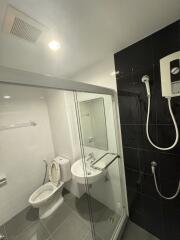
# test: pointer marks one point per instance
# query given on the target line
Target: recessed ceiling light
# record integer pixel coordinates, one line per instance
(54, 45)
(6, 97)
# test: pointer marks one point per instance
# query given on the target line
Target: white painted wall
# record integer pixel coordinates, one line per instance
(99, 74)
(60, 128)
(63, 123)
(23, 149)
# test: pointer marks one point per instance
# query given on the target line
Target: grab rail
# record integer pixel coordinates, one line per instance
(18, 125)
(105, 161)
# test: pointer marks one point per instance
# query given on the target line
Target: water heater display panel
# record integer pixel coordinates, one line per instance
(170, 75)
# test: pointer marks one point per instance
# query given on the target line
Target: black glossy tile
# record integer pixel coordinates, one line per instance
(128, 86)
(176, 149)
(147, 209)
(146, 157)
(148, 187)
(130, 135)
(131, 158)
(165, 135)
(169, 166)
(154, 216)
(123, 62)
(165, 41)
(145, 222)
(134, 136)
(130, 108)
(137, 55)
(135, 202)
(131, 196)
(133, 179)
(171, 223)
(142, 139)
(168, 189)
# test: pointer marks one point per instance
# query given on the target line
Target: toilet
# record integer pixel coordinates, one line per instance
(49, 197)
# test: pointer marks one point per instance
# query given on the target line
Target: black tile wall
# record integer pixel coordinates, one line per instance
(147, 209)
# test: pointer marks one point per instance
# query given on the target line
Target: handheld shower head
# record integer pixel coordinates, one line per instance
(153, 166)
(145, 79)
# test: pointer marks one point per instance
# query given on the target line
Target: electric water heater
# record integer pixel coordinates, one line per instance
(170, 75)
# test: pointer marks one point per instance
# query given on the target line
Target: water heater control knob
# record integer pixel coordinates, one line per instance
(175, 70)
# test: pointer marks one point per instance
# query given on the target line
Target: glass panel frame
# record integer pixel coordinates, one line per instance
(88, 182)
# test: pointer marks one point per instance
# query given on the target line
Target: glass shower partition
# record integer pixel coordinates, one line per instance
(101, 162)
(49, 122)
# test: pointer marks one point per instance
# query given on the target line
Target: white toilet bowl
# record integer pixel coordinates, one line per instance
(49, 197)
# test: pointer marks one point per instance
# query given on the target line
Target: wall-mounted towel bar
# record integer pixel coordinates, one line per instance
(105, 161)
(3, 180)
(18, 125)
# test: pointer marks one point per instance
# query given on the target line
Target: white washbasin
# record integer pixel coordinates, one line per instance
(92, 175)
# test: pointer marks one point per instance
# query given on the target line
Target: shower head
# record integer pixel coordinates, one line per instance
(153, 166)
(145, 79)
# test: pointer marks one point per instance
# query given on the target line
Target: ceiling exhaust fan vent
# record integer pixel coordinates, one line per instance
(24, 30)
(19, 24)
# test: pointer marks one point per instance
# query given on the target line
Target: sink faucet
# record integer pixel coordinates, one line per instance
(91, 157)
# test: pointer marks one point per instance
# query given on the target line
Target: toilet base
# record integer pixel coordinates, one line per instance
(51, 206)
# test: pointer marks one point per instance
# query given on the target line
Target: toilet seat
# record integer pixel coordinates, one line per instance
(49, 196)
(54, 173)
(43, 193)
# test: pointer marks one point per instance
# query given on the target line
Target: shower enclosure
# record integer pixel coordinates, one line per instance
(40, 118)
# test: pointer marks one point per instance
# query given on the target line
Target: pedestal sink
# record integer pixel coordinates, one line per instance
(92, 175)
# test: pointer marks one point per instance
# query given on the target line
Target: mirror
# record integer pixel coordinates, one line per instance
(93, 121)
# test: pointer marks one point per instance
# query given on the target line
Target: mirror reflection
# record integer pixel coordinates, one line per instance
(93, 122)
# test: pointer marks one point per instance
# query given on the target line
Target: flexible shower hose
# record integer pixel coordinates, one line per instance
(160, 148)
(160, 194)
(174, 122)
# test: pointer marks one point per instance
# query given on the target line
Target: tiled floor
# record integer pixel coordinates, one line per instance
(134, 232)
(69, 222)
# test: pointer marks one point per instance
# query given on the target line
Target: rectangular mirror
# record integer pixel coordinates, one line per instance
(93, 121)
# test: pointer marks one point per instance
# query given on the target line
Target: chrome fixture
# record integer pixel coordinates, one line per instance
(91, 157)
(3, 179)
(145, 79)
(18, 125)
(153, 169)
(175, 70)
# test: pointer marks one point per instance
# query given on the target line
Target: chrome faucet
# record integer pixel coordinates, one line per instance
(91, 157)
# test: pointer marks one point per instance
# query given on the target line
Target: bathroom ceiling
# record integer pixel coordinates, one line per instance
(88, 31)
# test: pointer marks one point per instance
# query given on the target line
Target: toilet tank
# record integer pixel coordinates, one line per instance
(65, 168)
